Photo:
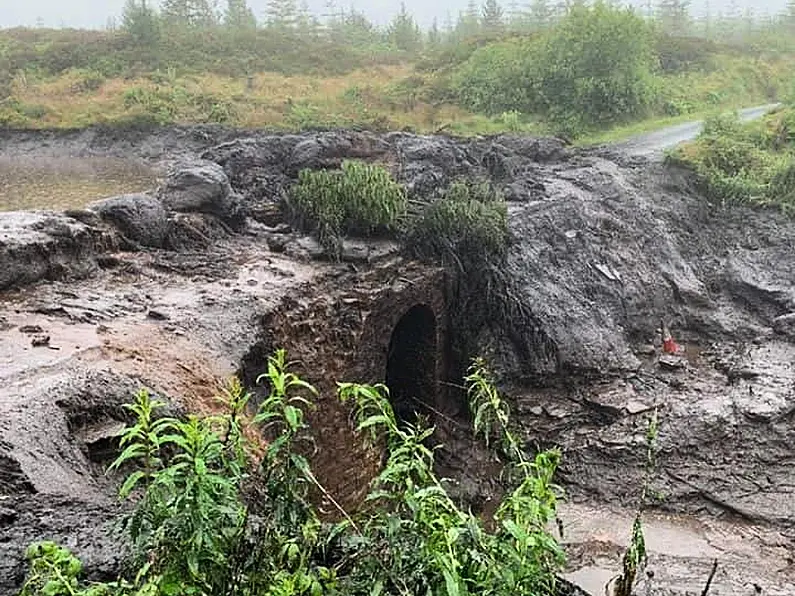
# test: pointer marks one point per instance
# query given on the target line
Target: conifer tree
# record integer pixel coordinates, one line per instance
(468, 21)
(434, 35)
(492, 15)
(541, 14)
(239, 16)
(403, 32)
(282, 13)
(190, 13)
(140, 21)
(673, 15)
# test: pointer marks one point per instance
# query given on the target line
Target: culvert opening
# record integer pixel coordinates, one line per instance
(411, 364)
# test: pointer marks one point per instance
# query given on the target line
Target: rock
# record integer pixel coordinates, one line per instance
(329, 150)
(277, 244)
(202, 187)
(157, 315)
(45, 245)
(140, 217)
(536, 149)
(7, 515)
(31, 329)
(785, 324)
(40, 341)
(671, 362)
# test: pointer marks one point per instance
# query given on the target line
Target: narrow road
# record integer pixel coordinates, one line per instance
(655, 143)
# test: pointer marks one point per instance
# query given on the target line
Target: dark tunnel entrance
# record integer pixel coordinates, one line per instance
(411, 364)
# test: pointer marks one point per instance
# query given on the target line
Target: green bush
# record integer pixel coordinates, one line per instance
(219, 513)
(358, 199)
(595, 68)
(160, 104)
(681, 54)
(745, 163)
(467, 226)
(497, 78)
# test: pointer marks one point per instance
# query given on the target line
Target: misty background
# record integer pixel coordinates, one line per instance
(98, 13)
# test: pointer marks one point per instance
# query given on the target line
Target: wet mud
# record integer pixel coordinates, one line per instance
(94, 304)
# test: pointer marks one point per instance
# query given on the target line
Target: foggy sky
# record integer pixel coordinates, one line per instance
(95, 13)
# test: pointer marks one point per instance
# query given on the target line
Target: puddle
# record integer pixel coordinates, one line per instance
(68, 182)
(681, 551)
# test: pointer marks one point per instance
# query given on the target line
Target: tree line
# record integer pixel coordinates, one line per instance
(146, 22)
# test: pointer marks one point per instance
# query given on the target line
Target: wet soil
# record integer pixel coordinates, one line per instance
(604, 246)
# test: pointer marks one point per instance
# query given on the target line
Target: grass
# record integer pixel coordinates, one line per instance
(358, 199)
(745, 163)
(729, 83)
(387, 97)
(369, 97)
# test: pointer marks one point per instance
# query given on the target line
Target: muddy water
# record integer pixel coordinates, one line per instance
(68, 182)
(681, 551)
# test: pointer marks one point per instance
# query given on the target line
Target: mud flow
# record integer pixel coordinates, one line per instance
(178, 289)
(68, 183)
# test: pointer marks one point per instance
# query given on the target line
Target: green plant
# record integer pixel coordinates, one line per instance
(744, 163)
(595, 68)
(417, 540)
(160, 104)
(467, 226)
(219, 517)
(358, 199)
(142, 442)
(53, 571)
(634, 558)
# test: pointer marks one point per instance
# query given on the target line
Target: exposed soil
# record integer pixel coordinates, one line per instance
(604, 248)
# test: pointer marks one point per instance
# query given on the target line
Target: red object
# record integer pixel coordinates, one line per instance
(670, 346)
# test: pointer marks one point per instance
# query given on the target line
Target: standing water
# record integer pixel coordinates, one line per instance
(68, 182)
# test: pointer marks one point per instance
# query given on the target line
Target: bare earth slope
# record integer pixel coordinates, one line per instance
(177, 290)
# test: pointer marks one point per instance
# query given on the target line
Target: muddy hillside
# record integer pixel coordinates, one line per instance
(178, 288)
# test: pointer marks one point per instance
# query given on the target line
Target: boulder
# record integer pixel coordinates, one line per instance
(45, 245)
(202, 187)
(140, 217)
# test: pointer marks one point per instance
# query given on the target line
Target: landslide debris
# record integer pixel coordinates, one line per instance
(602, 249)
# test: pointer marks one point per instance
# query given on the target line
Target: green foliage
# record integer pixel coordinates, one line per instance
(141, 22)
(416, 540)
(53, 571)
(680, 54)
(218, 515)
(635, 556)
(497, 78)
(142, 442)
(466, 227)
(163, 104)
(595, 68)
(358, 199)
(239, 16)
(745, 163)
(591, 70)
(404, 33)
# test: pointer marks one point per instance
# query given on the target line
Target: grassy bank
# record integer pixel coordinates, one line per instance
(745, 163)
(388, 97)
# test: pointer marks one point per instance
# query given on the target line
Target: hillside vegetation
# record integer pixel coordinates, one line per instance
(587, 69)
(746, 163)
(220, 513)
